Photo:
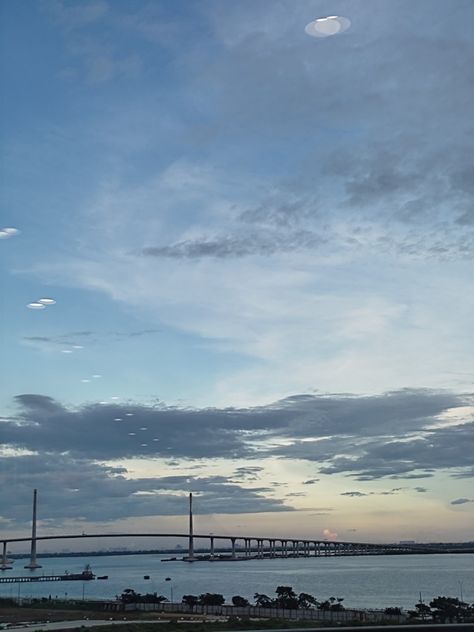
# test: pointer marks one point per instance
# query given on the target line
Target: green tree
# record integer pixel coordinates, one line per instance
(422, 611)
(332, 604)
(306, 601)
(286, 598)
(129, 596)
(239, 601)
(152, 598)
(211, 599)
(190, 600)
(394, 610)
(450, 609)
(262, 600)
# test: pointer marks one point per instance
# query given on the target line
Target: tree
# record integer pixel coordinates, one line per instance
(262, 600)
(190, 600)
(451, 609)
(422, 611)
(151, 598)
(211, 599)
(286, 598)
(239, 601)
(330, 604)
(393, 610)
(129, 596)
(306, 601)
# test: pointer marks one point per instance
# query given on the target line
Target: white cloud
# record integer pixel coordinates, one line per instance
(323, 319)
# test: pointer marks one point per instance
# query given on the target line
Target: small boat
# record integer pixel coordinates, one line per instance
(146, 576)
(103, 577)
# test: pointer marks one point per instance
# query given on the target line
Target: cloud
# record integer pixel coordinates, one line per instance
(248, 473)
(78, 339)
(354, 494)
(386, 436)
(311, 481)
(328, 534)
(236, 247)
(461, 501)
(84, 490)
(75, 16)
(91, 57)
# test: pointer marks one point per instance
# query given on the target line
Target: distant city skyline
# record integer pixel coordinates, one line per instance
(236, 248)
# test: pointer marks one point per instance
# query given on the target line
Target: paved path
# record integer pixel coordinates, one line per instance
(67, 625)
(88, 623)
(402, 627)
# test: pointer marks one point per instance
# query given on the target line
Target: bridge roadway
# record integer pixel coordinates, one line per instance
(253, 546)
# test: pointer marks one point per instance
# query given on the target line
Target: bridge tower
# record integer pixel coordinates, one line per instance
(191, 557)
(33, 563)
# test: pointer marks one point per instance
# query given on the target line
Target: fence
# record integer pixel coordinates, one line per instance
(340, 616)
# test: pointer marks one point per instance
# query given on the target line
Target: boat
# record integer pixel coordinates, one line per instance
(86, 575)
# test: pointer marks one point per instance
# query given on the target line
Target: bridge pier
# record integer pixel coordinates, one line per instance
(212, 547)
(232, 540)
(5, 563)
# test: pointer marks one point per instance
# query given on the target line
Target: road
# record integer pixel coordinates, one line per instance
(89, 623)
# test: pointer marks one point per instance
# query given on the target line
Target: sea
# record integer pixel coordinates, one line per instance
(363, 582)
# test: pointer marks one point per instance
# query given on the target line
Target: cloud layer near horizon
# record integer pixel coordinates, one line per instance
(400, 435)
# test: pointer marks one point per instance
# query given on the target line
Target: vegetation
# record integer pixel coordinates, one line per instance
(130, 596)
(285, 598)
(440, 610)
(443, 610)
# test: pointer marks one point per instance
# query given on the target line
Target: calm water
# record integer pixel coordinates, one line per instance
(363, 581)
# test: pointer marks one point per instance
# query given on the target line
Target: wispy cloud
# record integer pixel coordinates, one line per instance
(461, 501)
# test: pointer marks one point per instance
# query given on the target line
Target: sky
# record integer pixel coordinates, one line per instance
(257, 248)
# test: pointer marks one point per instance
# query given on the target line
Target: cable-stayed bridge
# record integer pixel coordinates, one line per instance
(237, 547)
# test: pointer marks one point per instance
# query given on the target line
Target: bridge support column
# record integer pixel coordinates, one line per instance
(33, 563)
(272, 547)
(232, 540)
(190, 557)
(4, 565)
(212, 547)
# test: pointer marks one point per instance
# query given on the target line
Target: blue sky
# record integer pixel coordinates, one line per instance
(232, 215)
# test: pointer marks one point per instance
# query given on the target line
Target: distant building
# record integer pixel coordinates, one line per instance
(407, 542)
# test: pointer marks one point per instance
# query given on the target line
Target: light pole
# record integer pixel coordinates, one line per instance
(169, 579)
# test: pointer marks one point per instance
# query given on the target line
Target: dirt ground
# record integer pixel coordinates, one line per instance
(16, 615)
